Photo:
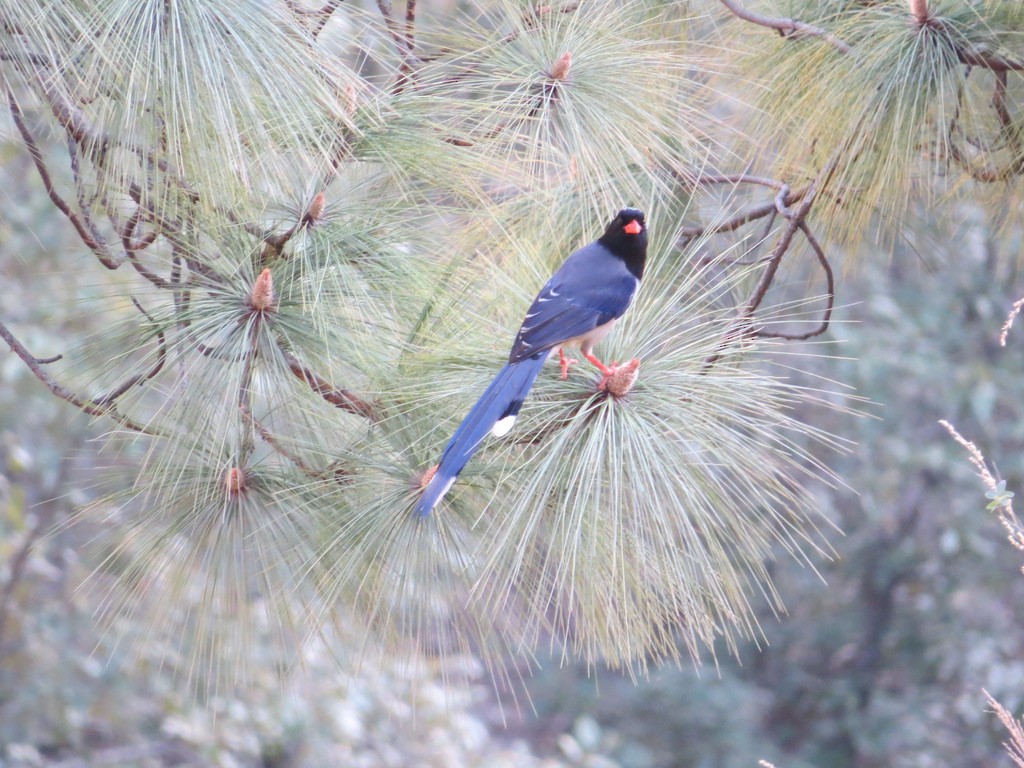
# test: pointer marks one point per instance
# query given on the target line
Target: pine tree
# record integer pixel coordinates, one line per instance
(324, 224)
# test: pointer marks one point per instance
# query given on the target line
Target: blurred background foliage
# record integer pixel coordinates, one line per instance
(471, 159)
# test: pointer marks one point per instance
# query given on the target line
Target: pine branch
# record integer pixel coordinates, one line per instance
(786, 27)
(830, 295)
(969, 55)
(742, 325)
(83, 225)
(336, 396)
(161, 359)
(92, 408)
(769, 208)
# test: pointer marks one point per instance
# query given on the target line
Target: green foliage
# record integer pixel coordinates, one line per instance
(898, 111)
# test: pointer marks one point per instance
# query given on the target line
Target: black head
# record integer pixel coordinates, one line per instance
(626, 237)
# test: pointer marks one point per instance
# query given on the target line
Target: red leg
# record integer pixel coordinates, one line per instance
(565, 362)
(597, 363)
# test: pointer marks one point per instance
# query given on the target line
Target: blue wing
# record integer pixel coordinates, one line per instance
(588, 291)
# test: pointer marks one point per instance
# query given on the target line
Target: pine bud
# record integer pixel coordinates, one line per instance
(919, 9)
(316, 209)
(351, 99)
(561, 69)
(621, 379)
(234, 481)
(262, 297)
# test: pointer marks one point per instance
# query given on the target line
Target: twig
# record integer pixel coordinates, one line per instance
(132, 246)
(269, 438)
(93, 409)
(161, 358)
(320, 16)
(87, 234)
(405, 69)
(737, 178)
(969, 55)
(977, 57)
(169, 229)
(391, 24)
(336, 396)
(127, 232)
(324, 15)
(1014, 311)
(795, 221)
(830, 295)
(788, 27)
(745, 217)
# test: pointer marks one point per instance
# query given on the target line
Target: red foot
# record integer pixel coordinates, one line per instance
(598, 364)
(565, 362)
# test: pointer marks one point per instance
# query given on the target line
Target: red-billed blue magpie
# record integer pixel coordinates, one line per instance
(578, 306)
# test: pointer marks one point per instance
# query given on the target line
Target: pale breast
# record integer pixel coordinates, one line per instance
(588, 340)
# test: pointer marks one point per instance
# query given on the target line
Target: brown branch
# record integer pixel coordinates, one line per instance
(978, 57)
(987, 173)
(270, 439)
(787, 27)
(93, 409)
(83, 205)
(830, 295)
(1008, 127)
(741, 326)
(320, 16)
(405, 69)
(336, 396)
(703, 179)
(410, 23)
(87, 233)
(161, 358)
(169, 229)
(323, 15)
(392, 26)
(972, 56)
(751, 214)
(796, 220)
(132, 245)
(127, 232)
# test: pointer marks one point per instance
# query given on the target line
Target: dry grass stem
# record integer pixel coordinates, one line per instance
(1014, 311)
(1015, 746)
(1007, 517)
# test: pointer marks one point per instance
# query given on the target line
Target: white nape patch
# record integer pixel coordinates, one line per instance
(503, 426)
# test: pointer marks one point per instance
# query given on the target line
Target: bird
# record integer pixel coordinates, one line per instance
(578, 306)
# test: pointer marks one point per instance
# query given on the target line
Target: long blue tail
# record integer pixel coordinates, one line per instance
(495, 410)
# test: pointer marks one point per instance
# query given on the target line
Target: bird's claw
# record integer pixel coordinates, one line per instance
(565, 363)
